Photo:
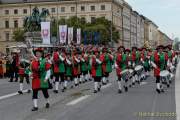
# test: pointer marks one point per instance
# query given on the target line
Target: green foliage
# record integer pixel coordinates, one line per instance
(18, 35)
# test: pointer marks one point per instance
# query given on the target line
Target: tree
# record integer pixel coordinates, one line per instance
(18, 35)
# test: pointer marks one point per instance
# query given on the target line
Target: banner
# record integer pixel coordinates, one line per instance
(79, 36)
(85, 37)
(63, 33)
(70, 35)
(45, 32)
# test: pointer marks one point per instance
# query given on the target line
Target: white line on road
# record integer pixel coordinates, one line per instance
(143, 83)
(78, 100)
(10, 95)
(106, 86)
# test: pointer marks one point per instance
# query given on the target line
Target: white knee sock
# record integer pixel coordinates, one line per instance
(65, 83)
(119, 85)
(35, 102)
(95, 85)
(75, 81)
(104, 79)
(47, 100)
(56, 85)
(21, 86)
(158, 86)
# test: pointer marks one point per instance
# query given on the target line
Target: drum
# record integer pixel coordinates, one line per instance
(125, 74)
(164, 76)
(131, 72)
(172, 69)
(139, 69)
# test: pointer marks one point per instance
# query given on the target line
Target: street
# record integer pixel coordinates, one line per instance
(139, 103)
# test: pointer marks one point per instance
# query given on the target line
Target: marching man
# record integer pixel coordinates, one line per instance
(40, 75)
(120, 65)
(96, 69)
(159, 62)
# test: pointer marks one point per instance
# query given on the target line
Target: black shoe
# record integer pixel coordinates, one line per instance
(55, 91)
(80, 82)
(170, 82)
(130, 86)
(99, 89)
(76, 84)
(158, 91)
(29, 91)
(138, 82)
(34, 109)
(119, 91)
(95, 91)
(126, 89)
(72, 87)
(16, 81)
(162, 90)
(20, 92)
(133, 83)
(168, 85)
(47, 105)
(10, 81)
(63, 90)
(104, 83)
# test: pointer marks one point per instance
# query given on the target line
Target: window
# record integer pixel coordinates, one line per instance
(93, 19)
(82, 8)
(7, 12)
(15, 24)
(62, 9)
(72, 9)
(92, 8)
(83, 20)
(102, 7)
(6, 24)
(53, 10)
(25, 11)
(15, 11)
(7, 36)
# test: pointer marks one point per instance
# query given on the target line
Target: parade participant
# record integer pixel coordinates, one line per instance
(106, 65)
(96, 69)
(145, 61)
(62, 57)
(40, 74)
(84, 67)
(14, 66)
(120, 65)
(68, 66)
(56, 72)
(24, 73)
(159, 62)
(135, 59)
(76, 62)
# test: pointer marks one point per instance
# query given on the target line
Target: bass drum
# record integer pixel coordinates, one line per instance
(125, 74)
(138, 69)
(164, 76)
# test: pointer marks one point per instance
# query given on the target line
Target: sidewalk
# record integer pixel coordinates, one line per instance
(177, 91)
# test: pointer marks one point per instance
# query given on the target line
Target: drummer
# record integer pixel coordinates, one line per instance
(159, 62)
(121, 65)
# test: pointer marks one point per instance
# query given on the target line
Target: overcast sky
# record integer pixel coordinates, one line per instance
(164, 13)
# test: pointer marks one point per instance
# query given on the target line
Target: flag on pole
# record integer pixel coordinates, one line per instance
(63, 33)
(78, 35)
(70, 35)
(45, 32)
(85, 37)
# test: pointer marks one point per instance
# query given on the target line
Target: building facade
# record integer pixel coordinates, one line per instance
(13, 12)
(133, 28)
(126, 16)
(142, 31)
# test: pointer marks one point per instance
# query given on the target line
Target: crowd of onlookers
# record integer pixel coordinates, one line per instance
(5, 67)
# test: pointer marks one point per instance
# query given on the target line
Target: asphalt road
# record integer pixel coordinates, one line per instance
(140, 103)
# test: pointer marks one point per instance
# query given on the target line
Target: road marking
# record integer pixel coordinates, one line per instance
(143, 83)
(177, 92)
(10, 95)
(78, 100)
(106, 86)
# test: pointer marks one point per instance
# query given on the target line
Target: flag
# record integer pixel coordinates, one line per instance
(78, 35)
(85, 37)
(45, 32)
(70, 35)
(63, 33)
